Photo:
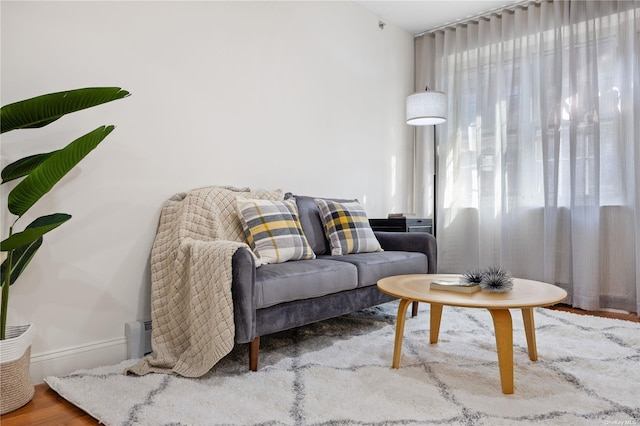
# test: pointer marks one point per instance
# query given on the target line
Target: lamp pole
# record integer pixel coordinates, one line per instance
(435, 182)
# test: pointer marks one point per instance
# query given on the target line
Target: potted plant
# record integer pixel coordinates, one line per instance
(38, 174)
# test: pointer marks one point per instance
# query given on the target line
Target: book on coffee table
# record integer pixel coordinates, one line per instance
(454, 285)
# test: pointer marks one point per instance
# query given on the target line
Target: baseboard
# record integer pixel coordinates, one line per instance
(65, 361)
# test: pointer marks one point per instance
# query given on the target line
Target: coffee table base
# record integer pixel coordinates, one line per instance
(502, 324)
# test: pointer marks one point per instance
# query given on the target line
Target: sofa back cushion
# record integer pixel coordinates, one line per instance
(311, 224)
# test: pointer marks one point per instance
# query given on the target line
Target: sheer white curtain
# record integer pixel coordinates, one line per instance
(539, 161)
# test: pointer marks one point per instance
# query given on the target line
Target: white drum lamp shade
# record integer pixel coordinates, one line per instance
(426, 108)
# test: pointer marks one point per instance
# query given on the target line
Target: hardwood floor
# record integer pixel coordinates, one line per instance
(632, 316)
(48, 408)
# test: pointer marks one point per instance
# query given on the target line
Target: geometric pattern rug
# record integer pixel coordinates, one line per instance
(338, 372)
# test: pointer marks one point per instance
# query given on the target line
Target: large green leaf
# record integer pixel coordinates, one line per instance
(20, 259)
(34, 230)
(23, 167)
(50, 171)
(45, 109)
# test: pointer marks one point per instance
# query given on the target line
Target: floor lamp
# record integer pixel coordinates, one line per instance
(428, 108)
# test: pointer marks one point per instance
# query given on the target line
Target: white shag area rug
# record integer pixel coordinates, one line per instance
(338, 372)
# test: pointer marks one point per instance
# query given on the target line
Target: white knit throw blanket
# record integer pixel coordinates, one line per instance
(191, 304)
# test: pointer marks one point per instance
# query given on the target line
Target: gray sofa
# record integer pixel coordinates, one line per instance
(277, 297)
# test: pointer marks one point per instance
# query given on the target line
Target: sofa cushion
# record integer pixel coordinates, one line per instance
(311, 224)
(347, 227)
(304, 279)
(375, 266)
(273, 230)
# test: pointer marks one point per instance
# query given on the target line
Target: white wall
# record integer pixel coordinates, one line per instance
(303, 96)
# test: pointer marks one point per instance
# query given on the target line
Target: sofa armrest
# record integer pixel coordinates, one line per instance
(422, 242)
(243, 290)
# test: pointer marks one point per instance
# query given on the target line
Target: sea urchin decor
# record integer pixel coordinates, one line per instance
(472, 276)
(496, 280)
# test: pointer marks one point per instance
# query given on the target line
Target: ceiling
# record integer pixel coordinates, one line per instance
(416, 17)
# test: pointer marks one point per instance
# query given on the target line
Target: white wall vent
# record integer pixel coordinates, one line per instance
(138, 335)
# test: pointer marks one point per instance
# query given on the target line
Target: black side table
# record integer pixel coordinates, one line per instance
(401, 224)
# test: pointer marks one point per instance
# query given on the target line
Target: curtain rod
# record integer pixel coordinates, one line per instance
(479, 16)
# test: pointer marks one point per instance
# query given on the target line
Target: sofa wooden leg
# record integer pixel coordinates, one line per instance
(414, 309)
(254, 348)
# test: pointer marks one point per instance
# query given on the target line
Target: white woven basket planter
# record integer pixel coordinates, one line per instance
(16, 388)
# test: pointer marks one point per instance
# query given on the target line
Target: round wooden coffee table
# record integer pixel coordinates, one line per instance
(525, 295)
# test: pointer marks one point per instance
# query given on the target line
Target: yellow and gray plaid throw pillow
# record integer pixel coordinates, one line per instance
(347, 227)
(273, 230)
